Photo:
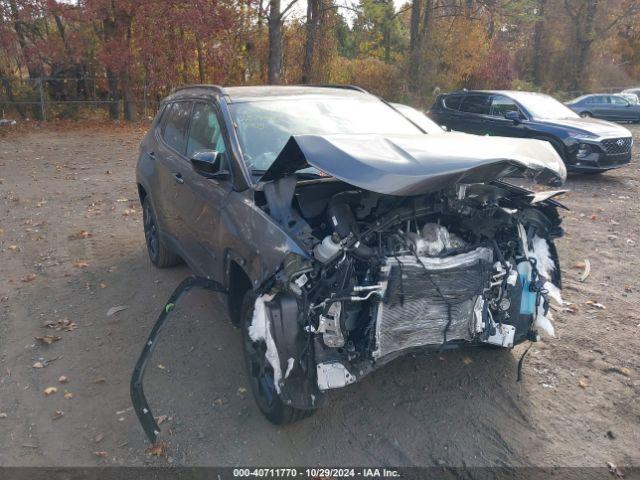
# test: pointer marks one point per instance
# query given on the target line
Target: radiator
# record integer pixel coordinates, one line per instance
(416, 311)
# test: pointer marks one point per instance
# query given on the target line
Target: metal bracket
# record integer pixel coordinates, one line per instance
(139, 401)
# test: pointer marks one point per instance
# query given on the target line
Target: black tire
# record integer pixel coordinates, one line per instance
(159, 253)
(586, 115)
(260, 373)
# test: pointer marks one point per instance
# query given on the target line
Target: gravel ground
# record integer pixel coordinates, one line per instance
(71, 247)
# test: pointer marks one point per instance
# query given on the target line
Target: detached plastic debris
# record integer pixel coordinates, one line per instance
(260, 331)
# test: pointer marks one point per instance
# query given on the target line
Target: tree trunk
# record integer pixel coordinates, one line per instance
(420, 20)
(275, 43)
(200, 59)
(538, 53)
(584, 36)
(114, 96)
(386, 41)
(416, 8)
(313, 19)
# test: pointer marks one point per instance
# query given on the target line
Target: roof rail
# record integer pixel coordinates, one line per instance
(335, 85)
(217, 88)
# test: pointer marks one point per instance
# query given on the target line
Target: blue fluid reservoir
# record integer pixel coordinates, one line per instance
(528, 300)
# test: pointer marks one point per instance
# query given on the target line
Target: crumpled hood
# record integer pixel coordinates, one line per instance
(418, 164)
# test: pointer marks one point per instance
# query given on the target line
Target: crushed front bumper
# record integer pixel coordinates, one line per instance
(138, 399)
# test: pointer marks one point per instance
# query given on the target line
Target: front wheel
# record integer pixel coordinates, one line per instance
(159, 253)
(586, 115)
(260, 373)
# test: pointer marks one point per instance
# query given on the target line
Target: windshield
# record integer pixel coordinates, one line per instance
(264, 126)
(544, 106)
(419, 118)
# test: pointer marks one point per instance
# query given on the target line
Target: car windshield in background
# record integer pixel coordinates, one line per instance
(544, 106)
(419, 118)
(264, 126)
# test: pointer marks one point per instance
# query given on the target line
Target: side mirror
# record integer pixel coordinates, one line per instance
(513, 116)
(208, 164)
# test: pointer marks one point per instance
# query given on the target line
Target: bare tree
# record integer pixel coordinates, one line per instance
(588, 28)
(275, 21)
(313, 23)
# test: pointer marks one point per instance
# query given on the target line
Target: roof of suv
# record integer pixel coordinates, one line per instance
(256, 93)
(499, 92)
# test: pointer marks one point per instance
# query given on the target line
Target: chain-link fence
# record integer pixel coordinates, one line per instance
(52, 98)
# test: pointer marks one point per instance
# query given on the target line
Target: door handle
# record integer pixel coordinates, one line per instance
(152, 155)
(178, 178)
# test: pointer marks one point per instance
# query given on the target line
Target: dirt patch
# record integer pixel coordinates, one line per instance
(71, 247)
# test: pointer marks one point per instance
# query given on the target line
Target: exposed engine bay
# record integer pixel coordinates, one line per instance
(472, 264)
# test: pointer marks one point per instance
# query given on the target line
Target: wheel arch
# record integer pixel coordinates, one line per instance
(142, 192)
(238, 283)
(557, 143)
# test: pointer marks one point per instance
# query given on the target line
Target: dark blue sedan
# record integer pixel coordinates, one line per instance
(608, 107)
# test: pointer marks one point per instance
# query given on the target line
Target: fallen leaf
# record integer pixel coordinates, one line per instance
(38, 365)
(103, 285)
(99, 380)
(62, 379)
(161, 419)
(68, 395)
(13, 248)
(161, 367)
(62, 324)
(29, 278)
(116, 309)
(80, 235)
(583, 383)
(587, 270)
(101, 454)
(98, 438)
(242, 391)
(48, 339)
(595, 304)
(50, 390)
(57, 414)
(159, 450)
(81, 264)
(3, 415)
(625, 371)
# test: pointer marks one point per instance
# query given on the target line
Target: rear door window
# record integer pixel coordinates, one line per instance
(618, 101)
(176, 122)
(453, 101)
(599, 99)
(476, 104)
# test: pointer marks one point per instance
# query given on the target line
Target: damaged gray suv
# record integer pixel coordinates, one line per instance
(344, 235)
